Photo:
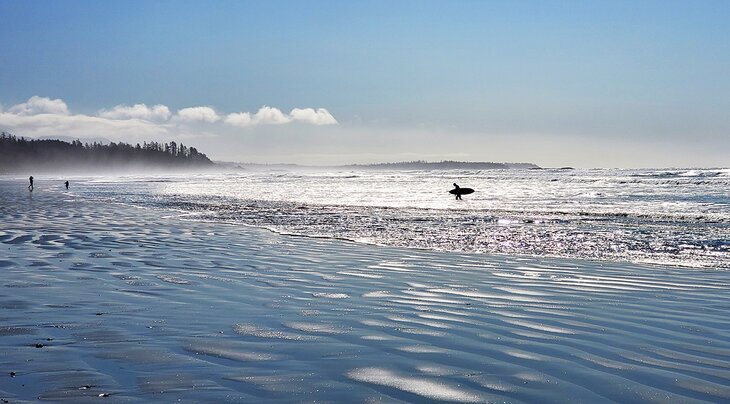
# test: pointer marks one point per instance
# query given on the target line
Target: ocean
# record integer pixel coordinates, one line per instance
(167, 288)
(676, 217)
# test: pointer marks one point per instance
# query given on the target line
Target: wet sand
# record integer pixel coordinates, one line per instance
(101, 301)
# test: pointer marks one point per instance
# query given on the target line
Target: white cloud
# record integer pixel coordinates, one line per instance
(270, 116)
(40, 105)
(239, 119)
(308, 115)
(264, 116)
(197, 114)
(43, 116)
(137, 111)
(78, 126)
(273, 116)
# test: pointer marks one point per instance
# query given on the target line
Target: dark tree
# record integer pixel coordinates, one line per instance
(20, 154)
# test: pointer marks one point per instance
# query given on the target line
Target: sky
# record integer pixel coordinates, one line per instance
(557, 83)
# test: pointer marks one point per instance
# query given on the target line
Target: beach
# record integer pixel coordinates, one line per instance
(106, 301)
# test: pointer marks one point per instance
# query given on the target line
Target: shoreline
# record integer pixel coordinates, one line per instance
(648, 265)
(143, 307)
(631, 257)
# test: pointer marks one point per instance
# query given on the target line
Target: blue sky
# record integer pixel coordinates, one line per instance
(606, 83)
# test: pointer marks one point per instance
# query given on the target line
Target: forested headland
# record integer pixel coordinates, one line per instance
(21, 155)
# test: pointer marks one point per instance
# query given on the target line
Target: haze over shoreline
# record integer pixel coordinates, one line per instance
(51, 154)
(70, 164)
(18, 154)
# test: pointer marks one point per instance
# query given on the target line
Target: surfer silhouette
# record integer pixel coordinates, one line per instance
(459, 191)
(30, 187)
(458, 194)
(66, 183)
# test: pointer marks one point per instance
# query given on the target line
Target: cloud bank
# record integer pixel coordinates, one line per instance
(197, 114)
(319, 116)
(137, 111)
(43, 116)
(274, 116)
(39, 105)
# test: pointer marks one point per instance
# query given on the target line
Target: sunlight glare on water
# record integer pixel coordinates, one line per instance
(676, 217)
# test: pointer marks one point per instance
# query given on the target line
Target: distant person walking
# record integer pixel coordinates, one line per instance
(66, 183)
(30, 187)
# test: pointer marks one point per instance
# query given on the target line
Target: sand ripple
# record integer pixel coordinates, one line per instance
(144, 307)
(431, 389)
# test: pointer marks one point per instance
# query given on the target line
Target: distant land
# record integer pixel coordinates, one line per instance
(402, 165)
(443, 165)
(21, 155)
(64, 154)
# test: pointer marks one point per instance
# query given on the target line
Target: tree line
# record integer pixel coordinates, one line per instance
(18, 154)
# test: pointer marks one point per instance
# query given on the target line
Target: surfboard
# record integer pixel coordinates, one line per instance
(461, 191)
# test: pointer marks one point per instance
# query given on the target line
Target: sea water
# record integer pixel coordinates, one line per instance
(677, 217)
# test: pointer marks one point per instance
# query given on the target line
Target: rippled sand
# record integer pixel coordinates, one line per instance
(109, 302)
